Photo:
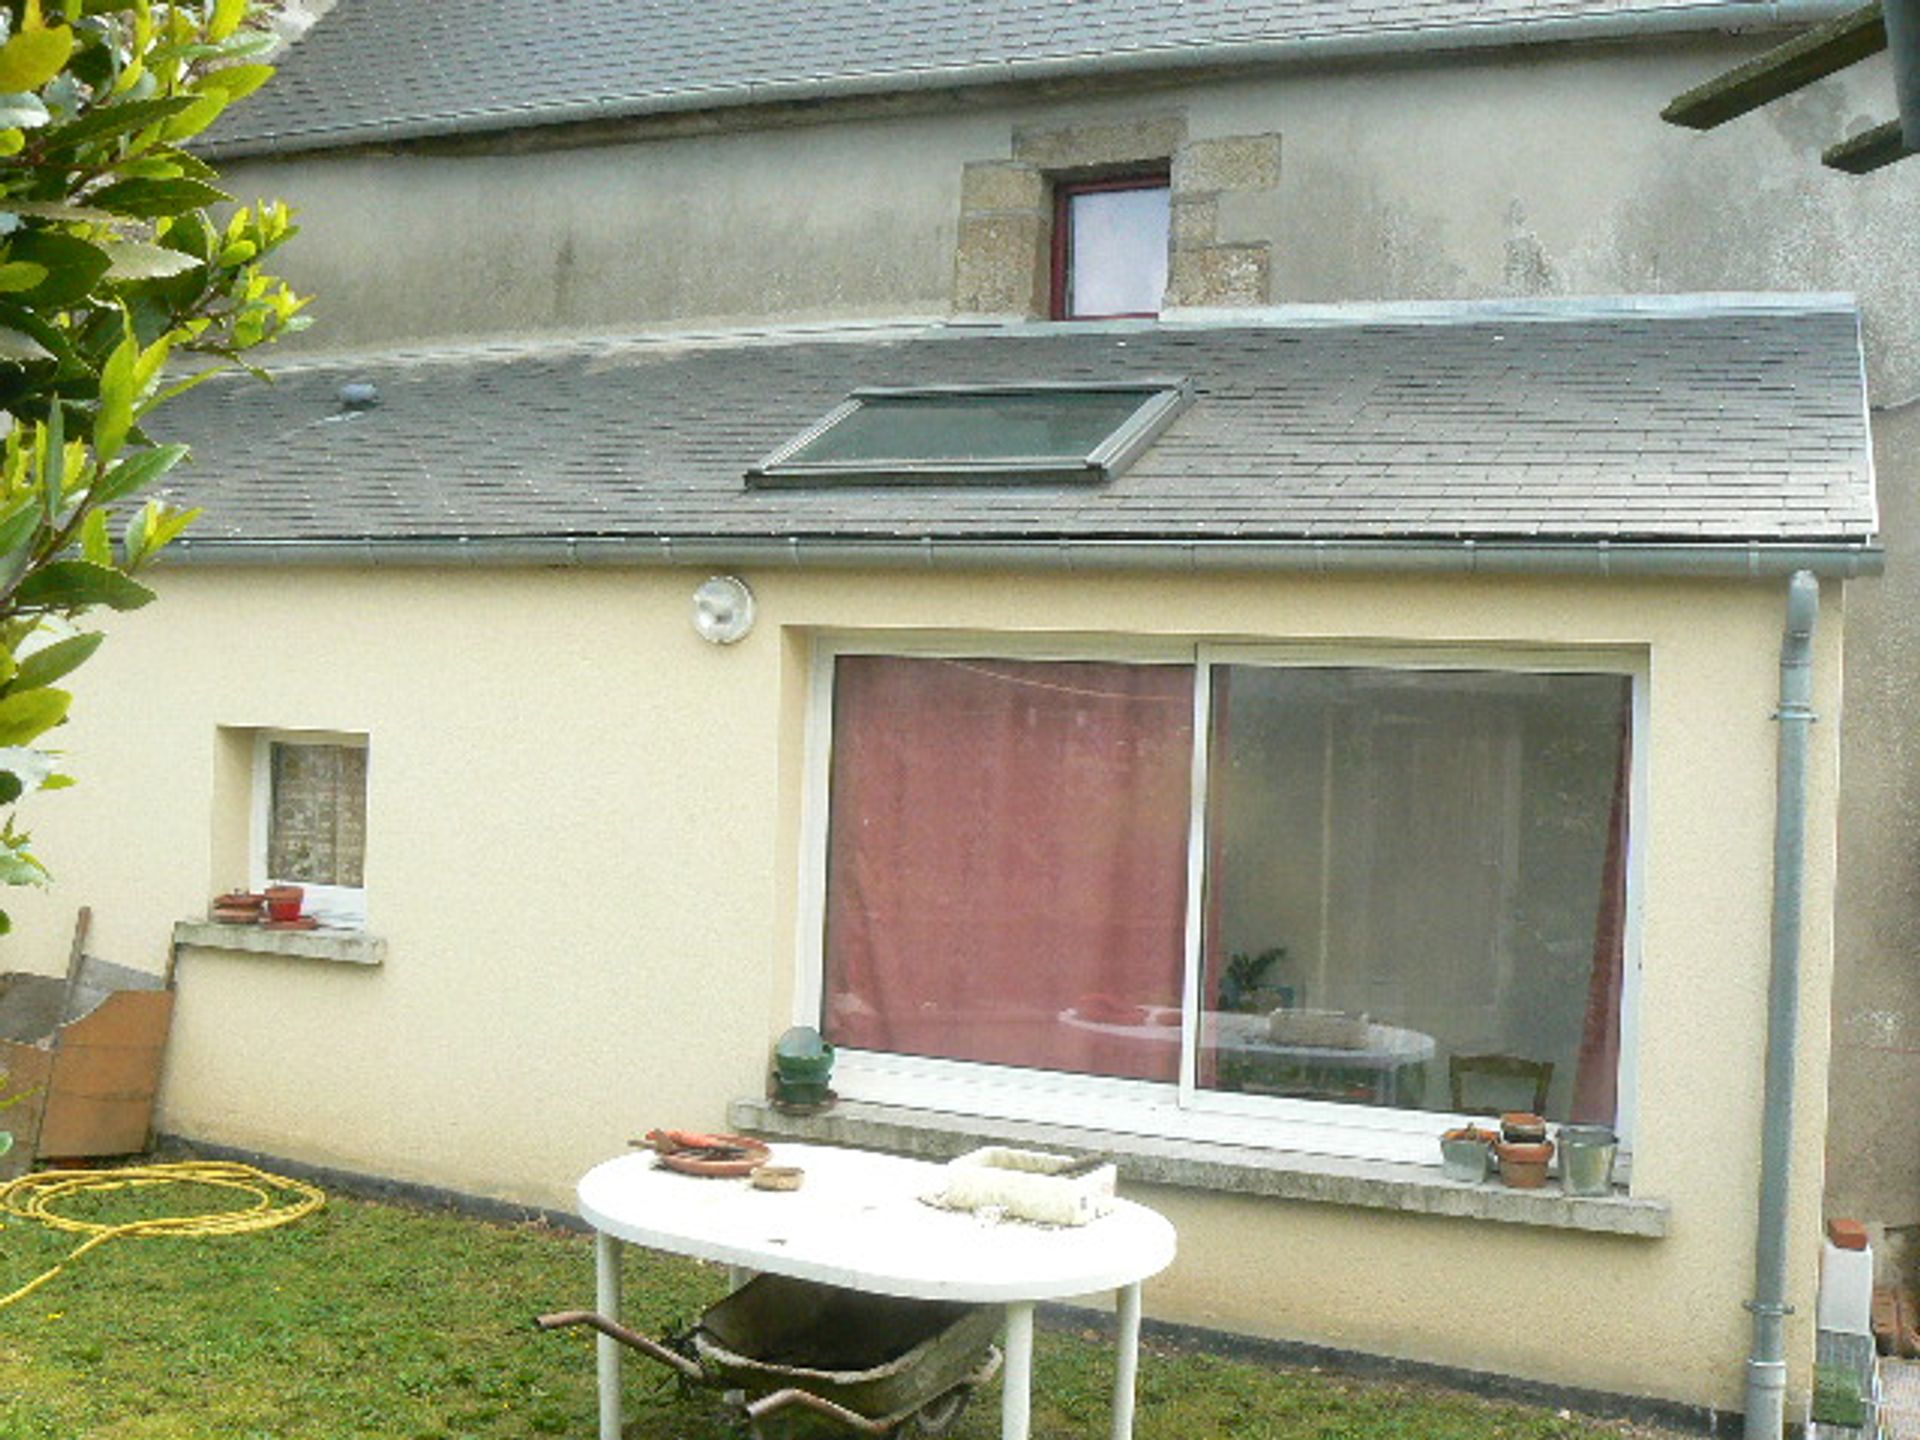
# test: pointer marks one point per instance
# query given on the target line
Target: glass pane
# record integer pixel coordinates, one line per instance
(1067, 425)
(317, 822)
(1007, 862)
(1416, 888)
(1117, 261)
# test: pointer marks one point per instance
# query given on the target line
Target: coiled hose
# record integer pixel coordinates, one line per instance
(277, 1201)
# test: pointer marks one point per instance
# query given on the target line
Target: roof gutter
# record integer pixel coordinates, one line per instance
(1724, 15)
(1602, 558)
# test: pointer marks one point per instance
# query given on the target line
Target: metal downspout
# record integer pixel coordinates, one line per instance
(1767, 1364)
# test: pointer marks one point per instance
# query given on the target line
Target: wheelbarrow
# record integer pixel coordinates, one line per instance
(875, 1364)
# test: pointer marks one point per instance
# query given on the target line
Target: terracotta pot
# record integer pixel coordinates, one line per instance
(1523, 1166)
(1523, 1126)
(283, 902)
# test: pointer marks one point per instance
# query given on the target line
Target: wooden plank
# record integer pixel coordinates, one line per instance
(1781, 71)
(24, 1071)
(1869, 150)
(106, 1072)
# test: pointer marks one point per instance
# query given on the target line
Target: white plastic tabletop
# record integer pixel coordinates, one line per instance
(859, 1221)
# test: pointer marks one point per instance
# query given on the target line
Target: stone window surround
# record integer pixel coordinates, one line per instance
(1003, 261)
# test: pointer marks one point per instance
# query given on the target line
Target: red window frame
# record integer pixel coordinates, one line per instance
(1063, 197)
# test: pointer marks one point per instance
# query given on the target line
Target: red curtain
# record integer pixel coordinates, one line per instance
(1596, 1080)
(1007, 861)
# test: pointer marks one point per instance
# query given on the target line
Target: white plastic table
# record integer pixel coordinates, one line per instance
(859, 1222)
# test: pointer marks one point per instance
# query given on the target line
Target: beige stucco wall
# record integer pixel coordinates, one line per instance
(585, 850)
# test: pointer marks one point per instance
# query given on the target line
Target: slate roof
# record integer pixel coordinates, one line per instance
(374, 70)
(1664, 427)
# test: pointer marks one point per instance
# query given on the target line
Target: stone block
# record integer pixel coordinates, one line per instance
(1002, 185)
(1195, 221)
(1235, 162)
(1001, 264)
(1092, 146)
(1219, 275)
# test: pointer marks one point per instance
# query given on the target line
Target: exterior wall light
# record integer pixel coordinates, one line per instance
(723, 610)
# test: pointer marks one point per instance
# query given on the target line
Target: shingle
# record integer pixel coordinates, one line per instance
(1572, 428)
(391, 69)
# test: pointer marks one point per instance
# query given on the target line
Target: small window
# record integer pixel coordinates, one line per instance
(310, 821)
(1110, 240)
(991, 434)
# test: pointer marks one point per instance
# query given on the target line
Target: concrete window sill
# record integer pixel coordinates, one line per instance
(349, 947)
(1326, 1180)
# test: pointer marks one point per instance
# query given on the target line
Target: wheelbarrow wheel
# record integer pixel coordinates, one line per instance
(938, 1415)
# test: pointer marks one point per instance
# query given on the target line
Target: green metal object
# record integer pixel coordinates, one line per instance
(802, 1067)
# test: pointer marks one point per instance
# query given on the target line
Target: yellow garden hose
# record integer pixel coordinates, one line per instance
(276, 1201)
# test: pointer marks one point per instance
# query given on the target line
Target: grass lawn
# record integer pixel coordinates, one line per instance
(375, 1320)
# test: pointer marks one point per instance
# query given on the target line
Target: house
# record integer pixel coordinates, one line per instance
(1189, 512)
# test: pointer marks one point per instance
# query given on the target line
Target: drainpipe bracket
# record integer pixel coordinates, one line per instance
(1796, 713)
(1767, 1307)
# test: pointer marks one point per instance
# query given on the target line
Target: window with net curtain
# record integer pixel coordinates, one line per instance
(1404, 870)
(315, 822)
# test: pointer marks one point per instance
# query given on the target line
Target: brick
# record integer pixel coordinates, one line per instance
(1196, 221)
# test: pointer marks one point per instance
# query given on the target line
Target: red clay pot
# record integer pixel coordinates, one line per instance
(283, 902)
(1523, 1166)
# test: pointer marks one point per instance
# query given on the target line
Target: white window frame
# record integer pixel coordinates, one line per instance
(1183, 1110)
(341, 907)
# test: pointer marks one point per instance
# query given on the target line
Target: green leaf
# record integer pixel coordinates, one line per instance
(33, 57)
(115, 414)
(60, 210)
(47, 665)
(135, 473)
(77, 584)
(19, 868)
(108, 121)
(19, 523)
(21, 348)
(56, 782)
(95, 544)
(196, 117)
(53, 478)
(23, 112)
(158, 527)
(11, 788)
(33, 768)
(137, 260)
(32, 713)
(227, 15)
(146, 198)
(21, 275)
(237, 82)
(73, 267)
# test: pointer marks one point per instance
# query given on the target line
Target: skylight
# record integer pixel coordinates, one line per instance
(1037, 433)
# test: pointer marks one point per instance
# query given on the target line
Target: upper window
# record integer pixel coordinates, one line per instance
(310, 830)
(1245, 888)
(995, 434)
(1110, 243)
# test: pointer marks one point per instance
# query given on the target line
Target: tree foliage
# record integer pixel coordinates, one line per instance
(118, 289)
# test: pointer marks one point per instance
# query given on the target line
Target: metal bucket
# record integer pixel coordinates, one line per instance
(1587, 1153)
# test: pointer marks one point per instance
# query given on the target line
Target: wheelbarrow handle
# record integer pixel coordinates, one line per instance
(780, 1399)
(613, 1329)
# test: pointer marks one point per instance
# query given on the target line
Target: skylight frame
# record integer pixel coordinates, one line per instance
(1162, 398)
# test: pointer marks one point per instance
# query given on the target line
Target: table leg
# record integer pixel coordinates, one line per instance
(1016, 1379)
(606, 1264)
(1126, 1360)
